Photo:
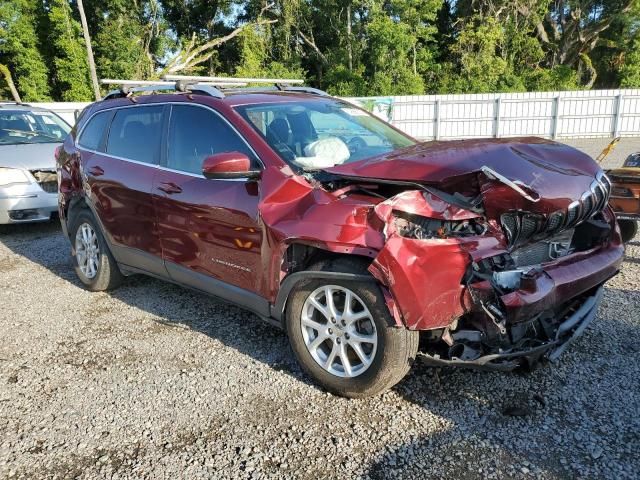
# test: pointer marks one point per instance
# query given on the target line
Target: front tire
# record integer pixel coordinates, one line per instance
(344, 337)
(95, 266)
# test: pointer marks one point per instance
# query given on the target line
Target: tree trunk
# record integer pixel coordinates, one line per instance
(87, 41)
(349, 48)
(415, 60)
(7, 77)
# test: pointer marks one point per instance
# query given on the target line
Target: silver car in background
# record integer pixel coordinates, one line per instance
(29, 137)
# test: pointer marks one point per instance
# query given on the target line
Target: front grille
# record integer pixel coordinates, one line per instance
(519, 227)
(572, 213)
(544, 251)
(587, 204)
(47, 179)
(510, 227)
(598, 196)
(533, 254)
(25, 214)
(555, 221)
(530, 225)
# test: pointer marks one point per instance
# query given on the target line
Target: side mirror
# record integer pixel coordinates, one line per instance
(228, 165)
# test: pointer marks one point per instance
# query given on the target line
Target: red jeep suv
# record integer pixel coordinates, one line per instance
(355, 238)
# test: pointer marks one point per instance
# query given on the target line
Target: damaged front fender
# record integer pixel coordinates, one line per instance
(424, 279)
(423, 274)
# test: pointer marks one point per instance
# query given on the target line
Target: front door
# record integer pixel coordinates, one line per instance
(208, 228)
(120, 177)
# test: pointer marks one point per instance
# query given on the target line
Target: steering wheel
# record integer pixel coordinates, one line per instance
(355, 144)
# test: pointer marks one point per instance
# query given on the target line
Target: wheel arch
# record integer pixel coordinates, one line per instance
(287, 285)
(76, 204)
(302, 262)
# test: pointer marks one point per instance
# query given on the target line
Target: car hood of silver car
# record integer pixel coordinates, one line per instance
(30, 156)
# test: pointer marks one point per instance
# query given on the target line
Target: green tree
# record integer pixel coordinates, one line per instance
(129, 39)
(255, 59)
(572, 30)
(119, 49)
(200, 21)
(342, 82)
(630, 71)
(390, 43)
(476, 65)
(20, 48)
(70, 70)
(349, 47)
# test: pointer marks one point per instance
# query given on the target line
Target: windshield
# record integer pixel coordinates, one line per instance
(19, 127)
(320, 134)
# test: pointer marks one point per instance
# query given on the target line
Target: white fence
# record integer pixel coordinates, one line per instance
(593, 113)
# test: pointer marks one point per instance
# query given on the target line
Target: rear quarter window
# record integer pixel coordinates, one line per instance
(92, 135)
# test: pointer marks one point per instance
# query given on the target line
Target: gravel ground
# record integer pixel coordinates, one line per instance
(154, 381)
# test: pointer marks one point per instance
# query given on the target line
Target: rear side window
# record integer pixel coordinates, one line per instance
(135, 134)
(195, 133)
(93, 133)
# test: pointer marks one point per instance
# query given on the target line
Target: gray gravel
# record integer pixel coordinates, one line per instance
(154, 381)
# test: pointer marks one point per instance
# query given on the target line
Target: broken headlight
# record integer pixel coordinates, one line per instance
(422, 228)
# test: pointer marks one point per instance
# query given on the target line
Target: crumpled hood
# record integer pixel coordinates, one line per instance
(554, 170)
(32, 156)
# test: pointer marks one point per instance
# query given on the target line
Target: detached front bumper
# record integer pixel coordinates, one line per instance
(567, 331)
(26, 203)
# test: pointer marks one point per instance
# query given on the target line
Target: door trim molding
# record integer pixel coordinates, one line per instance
(222, 290)
(136, 259)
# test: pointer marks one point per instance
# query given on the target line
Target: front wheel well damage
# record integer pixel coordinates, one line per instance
(300, 256)
(302, 262)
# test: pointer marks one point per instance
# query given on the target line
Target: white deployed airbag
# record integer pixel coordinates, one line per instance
(324, 153)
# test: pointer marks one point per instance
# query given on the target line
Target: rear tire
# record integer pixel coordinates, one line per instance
(95, 266)
(377, 352)
(628, 229)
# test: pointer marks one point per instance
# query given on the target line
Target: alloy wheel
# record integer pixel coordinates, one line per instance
(339, 331)
(87, 250)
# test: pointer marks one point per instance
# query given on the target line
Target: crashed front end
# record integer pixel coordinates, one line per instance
(500, 277)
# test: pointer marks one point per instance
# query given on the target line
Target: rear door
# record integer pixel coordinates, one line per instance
(120, 176)
(208, 228)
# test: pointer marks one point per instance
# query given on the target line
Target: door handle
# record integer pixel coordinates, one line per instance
(96, 171)
(169, 188)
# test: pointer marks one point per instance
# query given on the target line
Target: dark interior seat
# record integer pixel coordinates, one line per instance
(279, 131)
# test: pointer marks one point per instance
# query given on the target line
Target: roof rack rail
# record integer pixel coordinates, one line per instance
(127, 87)
(315, 91)
(283, 84)
(211, 86)
(232, 81)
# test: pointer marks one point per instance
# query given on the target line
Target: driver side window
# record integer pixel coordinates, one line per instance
(195, 133)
